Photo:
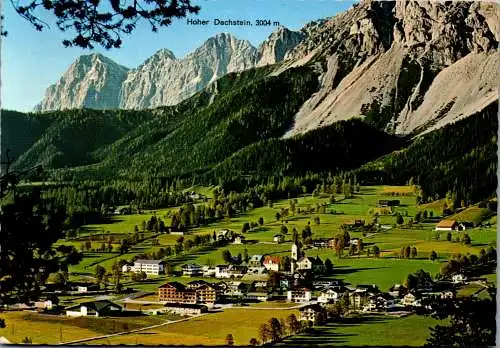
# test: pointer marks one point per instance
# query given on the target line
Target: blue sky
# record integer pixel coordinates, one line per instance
(31, 60)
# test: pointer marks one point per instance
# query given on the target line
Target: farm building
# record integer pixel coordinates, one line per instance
(388, 203)
(185, 308)
(447, 225)
(94, 308)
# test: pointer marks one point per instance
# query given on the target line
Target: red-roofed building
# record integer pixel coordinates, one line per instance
(272, 263)
(446, 225)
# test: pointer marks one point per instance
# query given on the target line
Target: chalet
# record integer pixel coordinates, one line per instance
(388, 203)
(299, 295)
(175, 292)
(331, 243)
(311, 263)
(255, 261)
(272, 263)
(314, 313)
(330, 295)
(383, 302)
(411, 299)
(206, 294)
(320, 243)
(239, 239)
(370, 289)
(458, 278)
(258, 295)
(222, 271)
(186, 308)
(235, 289)
(195, 284)
(236, 271)
(192, 293)
(357, 299)
(150, 267)
(353, 223)
(397, 290)
(191, 270)
(354, 241)
(85, 287)
(225, 235)
(208, 272)
(465, 225)
(47, 304)
(279, 238)
(327, 283)
(94, 308)
(447, 225)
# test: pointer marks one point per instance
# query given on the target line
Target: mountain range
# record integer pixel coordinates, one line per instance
(95, 81)
(379, 87)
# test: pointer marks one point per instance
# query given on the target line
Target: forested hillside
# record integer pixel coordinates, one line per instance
(342, 146)
(19, 131)
(73, 135)
(239, 110)
(459, 159)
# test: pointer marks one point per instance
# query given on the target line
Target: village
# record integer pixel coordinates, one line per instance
(295, 278)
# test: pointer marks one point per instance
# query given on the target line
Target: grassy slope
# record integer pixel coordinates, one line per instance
(352, 269)
(371, 331)
(211, 329)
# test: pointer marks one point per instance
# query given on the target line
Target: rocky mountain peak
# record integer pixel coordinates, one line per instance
(92, 81)
(277, 45)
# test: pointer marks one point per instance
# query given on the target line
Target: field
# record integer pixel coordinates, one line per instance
(52, 329)
(369, 331)
(384, 271)
(210, 329)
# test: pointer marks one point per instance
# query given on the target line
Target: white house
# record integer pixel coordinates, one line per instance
(222, 271)
(127, 268)
(299, 295)
(239, 239)
(312, 313)
(192, 270)
(329, 295)
(354, 241)
(310, 263)
(279, 238)
(458, 278)
(411, 300)
(94, 308)
(154, 267)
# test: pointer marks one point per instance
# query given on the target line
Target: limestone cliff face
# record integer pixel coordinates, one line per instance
(164, 80)
(410, 65)
(92, 81)
(276, 47)
(97, 82)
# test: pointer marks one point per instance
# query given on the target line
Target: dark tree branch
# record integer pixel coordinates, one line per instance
(93, 22)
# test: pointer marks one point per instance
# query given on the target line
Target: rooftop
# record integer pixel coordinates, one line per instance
(446, 223)
(149, 262)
